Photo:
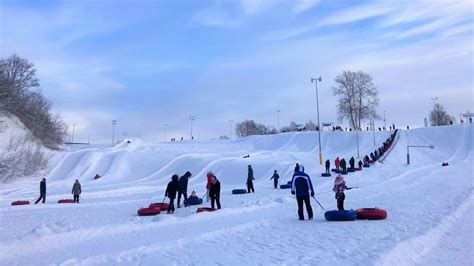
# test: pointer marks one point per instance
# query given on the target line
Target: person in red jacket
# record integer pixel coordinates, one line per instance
(337, 162)
(209, 183)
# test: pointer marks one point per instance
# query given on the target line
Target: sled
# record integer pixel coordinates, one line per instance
(285, 186)
(239, 191)
(194, 201)
(335, 215)
(337, 171)
(325, 174)
(350, 170)
(343, 173)
(358, 168)
(445, 164)
(366, 165)
(148, 211)
(20, 202)
(163, 206)
(371, 161)
(371, 214)
(205, 209)
(97, 177)
(66, 201)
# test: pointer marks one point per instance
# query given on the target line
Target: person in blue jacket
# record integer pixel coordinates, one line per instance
(302, 187)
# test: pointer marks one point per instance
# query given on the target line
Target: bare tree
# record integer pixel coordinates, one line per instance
(358, 97)
(248, 128)
(310, 126)
(439, 116)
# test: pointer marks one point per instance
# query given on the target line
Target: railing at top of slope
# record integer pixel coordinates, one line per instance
(394, 142)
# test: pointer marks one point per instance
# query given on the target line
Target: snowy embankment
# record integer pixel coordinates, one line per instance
(430, 207)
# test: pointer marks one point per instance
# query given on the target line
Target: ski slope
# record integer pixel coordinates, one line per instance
(430, 207)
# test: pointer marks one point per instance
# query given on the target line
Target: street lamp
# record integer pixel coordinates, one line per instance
(166, 124)
(230, 128)
(416, 146)
(114, 122)
(191, 118)
(319, 128)
(73, 128)
(278, 120)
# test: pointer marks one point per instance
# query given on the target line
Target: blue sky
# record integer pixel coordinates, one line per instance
(149, 62)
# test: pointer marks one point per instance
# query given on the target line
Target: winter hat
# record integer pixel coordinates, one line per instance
(339, 180)
(187, 173)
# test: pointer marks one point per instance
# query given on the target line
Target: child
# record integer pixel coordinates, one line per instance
(339, 187)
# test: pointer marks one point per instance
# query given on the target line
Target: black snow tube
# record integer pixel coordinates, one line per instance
(350, 169)
(335, 215)
(325, 174)
(285, 186)
(239, 191)
(194, 201)
(335, 170)
(366, 165)
(343, 173)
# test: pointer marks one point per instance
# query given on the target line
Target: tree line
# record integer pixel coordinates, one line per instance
(20, 95)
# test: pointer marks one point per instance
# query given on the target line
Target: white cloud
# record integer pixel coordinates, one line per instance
(215, 17)
(355, 14)
(303, 5)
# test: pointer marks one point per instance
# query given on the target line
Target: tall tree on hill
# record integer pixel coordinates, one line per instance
(358, 97)
(439, 116)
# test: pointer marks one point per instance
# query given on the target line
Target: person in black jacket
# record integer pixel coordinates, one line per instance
(360, 164)
(328, 166)
(275, 179)
(250, 180)
(215, 192)
(171, 190)
(183, 185)
(352, 162)
(42, 191)
(343, 165)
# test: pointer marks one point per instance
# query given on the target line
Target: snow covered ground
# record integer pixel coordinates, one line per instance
(430, 207)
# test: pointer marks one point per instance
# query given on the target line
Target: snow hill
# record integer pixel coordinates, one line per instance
(429, 222)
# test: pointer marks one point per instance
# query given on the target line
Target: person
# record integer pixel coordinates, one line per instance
(194, 199)
(376, 155)
(215, 192)
(250, 180)
(302, 187)
(193, 195)
(208, 185)
(372, 156)
(366, 159)
(337, 162)
(183, 188)
(328, 166)
(171, 190)
(297, 167)
(352, 162)
(343, 165)
(360, 164)
(76, 191)
(339, 187)
(42, 191)
(97, 176)
(275, 179)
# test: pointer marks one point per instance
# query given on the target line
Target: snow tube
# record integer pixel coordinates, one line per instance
(288, 183)
(358, 169)
(163, 206)
(285, 186)
(66, 201)
(444, 164)
(148, 211)
(371, 214)
(239, 191)
(335, 215)
(366, 165)
(335, 170)
(325, 174)
(343, 173)
(371, 161)
(350, 169)
(20, 202)
(205, 209)
(194, 201)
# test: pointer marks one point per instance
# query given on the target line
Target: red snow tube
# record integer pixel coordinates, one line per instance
(66, 201)
(371, 214)
(163, 206)
(205, 209)
(371, 161)
(148, 211)
(20, 202)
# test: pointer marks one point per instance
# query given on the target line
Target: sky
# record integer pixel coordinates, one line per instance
(147, 63)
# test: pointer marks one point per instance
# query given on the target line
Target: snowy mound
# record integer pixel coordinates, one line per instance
(429, 206)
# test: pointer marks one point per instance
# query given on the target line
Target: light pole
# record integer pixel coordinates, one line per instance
(278, 120)
(416, 146)
(319, 128)
(114, 122)
(384, 121)
(230, 128)
(73, 129)
(166, 124)
(357, 134)
(373, 128)
(191, 118)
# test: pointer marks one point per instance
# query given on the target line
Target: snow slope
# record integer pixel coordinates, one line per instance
(430, 207)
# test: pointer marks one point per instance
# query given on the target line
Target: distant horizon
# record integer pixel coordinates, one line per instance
(159, 62)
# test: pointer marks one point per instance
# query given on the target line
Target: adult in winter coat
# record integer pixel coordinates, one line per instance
(302, 187)
(352, 162)
(372, 156)
(339, 187)
(171, 190)
(360, 164)
(215, 192)
(366, 159)
(183, 188)
(275, 177)
(250, 180)
(337, 163)
(328, 166)
(76, 191)
(343, 165)
(42, 191)
(209, 183)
